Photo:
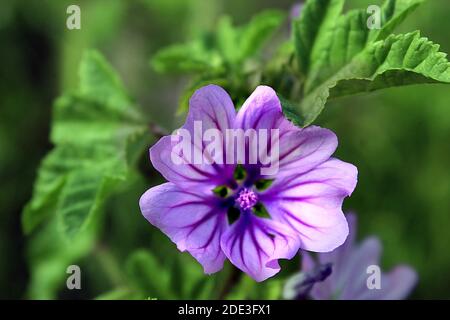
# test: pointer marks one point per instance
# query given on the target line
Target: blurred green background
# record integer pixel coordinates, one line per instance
(398, 138)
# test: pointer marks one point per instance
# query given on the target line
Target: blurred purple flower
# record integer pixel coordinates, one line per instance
(299, 285)
(350, 262)
(303, 200)
(295, 11)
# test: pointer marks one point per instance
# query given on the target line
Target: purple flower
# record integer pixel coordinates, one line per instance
(295, 11)
(351, 268)
(221, 210)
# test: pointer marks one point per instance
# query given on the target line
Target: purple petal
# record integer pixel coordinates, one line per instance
(308, 263)
(340, 256)
(299, 149)
(348, 280)
(351, 280)
(262, 110)
(352, 227)
(396, 285)
(211, 107)
(254, 245)
(321, 290)
(300, 285)
(310, 204)
(193, 221)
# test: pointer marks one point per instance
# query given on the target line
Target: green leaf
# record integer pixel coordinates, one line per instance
(186, 58)
(192, 282)
(344, 36)
(183, 278)
(228, 40)
(81, 199)
(247, 288)
(398, 60)
(291, 112)
(119, 294)
(260, 28)
(202, 289)
(92, 130)
(231, 56)
(341, 54)
(393, 13)
(176, 278)
(99, 83)
(237, 44)
(49, 255)
(313, 29)
(46, 190)
(148, 275)
(273, 290)
(243, 289)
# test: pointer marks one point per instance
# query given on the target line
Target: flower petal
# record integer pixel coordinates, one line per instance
(308, 263)
(299, 149)
(351, 280)
(341, 255)
(262, 110)
(347, 280)
(396, 285)
(341, 259)
(210, 107)
(310, 203)
(194, 222)
(254, 245)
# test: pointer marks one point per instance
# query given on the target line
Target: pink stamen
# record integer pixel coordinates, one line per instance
(246, 199)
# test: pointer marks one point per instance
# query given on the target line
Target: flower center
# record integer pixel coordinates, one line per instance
(246, 199)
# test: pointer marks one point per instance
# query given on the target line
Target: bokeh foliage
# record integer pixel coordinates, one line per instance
(398, 138)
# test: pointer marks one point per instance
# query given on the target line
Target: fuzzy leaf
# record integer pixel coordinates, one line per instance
(341, 54)
(212, 56)
(393, 13)
(147, 275)
(398, 60)
(49, 255)
(258, 31)
(314, 28)
(228, 40)
(186, 58)
(92, 131)
(343, 37)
